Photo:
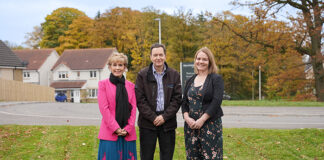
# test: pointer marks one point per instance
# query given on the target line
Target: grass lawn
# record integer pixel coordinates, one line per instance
(74, 142)
(272, 103)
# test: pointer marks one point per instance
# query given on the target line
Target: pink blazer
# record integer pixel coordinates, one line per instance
(107, 107)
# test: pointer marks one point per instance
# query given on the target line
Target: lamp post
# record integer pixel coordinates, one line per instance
(259, 83)
(159, 19)
(252, 87)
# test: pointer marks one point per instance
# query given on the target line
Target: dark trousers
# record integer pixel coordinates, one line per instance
(148, 139)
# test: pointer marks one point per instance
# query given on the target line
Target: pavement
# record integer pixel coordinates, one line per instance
(81, 114)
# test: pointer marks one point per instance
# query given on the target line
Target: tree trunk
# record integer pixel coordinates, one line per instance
(319, 79)
(314, 26)
(318, 68)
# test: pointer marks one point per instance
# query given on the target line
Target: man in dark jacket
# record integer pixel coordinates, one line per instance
(158, 95)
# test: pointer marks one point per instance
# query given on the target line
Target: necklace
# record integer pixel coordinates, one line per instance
(199, 81)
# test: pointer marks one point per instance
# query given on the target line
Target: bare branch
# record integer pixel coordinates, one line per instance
(243, 37)
(293, 4)
(310, 2)
(278, 9)
(321, 6)
(247, 3)
(302, 40)
(302, 50)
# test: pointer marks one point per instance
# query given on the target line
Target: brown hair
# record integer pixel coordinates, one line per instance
(158, 45)
(118, 57)
(212, 68)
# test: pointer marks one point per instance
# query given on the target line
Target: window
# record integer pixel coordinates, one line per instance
(93, 74)
(93, 93)
(63, 75)
(26, 74)
(78, 73)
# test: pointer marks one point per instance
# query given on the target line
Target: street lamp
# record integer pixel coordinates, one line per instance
(259, 83)
(159, 19)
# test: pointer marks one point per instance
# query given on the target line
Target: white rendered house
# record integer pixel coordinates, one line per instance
(39, 64)
(78, 71)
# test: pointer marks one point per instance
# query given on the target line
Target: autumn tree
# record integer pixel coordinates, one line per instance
(146, 33)
(56, 24)
(34, 38)
(99, 36)
(235, 58)
(308, 40)
(184, 40)
(78, 35)
(263, 42)
(119, 23)
(239, 57)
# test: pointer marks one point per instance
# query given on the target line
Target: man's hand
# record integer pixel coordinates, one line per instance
(159, 120)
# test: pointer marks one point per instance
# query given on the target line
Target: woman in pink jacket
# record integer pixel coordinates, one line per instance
(117, 104)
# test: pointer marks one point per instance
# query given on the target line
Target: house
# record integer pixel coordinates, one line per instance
(309, 74)
(78, 71)
(309, 71)
(11, 67)
(39, 65)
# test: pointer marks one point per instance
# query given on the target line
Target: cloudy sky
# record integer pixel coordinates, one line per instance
(17, 17)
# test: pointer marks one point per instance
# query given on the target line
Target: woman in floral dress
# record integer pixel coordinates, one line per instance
(202, 110)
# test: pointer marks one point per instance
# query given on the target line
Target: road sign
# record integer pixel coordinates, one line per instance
(186, 71)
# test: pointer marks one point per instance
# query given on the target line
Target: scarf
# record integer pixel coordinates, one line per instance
(122, 105)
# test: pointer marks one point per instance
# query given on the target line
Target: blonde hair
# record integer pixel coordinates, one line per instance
(212, 68)
(118, 57)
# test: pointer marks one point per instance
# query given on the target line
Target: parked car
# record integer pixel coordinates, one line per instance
(226, 96)
(60, 97)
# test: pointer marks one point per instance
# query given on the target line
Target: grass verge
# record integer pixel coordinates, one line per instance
(272, 103)
(80, 142)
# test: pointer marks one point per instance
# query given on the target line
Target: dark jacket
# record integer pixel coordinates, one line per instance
(146, 94)
(212, 95)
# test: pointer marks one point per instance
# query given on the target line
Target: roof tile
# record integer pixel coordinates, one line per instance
(67, 84)
(84, 59)
(34, 57)
(8, 58)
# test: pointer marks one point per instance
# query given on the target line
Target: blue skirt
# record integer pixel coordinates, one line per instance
(117, 150)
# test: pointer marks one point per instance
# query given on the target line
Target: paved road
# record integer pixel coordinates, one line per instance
(88, 114)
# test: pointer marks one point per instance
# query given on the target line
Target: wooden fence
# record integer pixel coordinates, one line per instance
(11, 90)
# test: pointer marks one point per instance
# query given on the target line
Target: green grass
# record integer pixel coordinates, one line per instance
(272, 103)
(74, 142)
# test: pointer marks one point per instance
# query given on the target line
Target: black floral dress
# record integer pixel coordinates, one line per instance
(206, 142)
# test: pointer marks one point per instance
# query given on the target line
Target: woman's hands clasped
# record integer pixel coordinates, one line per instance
(195, 124)
(121, 132)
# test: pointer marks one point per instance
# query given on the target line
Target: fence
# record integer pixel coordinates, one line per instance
(18, 91)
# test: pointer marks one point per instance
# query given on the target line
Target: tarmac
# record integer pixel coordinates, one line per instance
(80, 114)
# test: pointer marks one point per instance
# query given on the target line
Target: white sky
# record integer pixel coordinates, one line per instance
(17, 17)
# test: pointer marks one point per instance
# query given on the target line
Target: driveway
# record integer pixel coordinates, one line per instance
(33, 113)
